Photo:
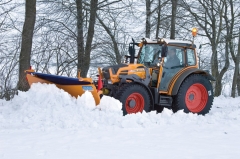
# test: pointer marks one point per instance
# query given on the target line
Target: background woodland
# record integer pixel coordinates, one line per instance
(61, 36)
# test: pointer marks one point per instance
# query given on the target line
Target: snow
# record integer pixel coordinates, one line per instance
(47, 123)
(168, 41)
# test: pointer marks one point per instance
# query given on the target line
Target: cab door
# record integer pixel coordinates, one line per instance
(170, 71)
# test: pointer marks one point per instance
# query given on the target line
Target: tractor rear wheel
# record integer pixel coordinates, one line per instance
(194, 95)
(134, 97)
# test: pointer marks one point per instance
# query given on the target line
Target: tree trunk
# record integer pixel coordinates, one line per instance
(215, 43)
(235, 79)
(80, 37)
(173, 19)
(238, 83)
(158, 18)
(84, 54)
(236, 60)
(148, 18)
(214, 69)
(26, 45)
(222, 72)
(90, 34)
(236, 76)
(228, 46)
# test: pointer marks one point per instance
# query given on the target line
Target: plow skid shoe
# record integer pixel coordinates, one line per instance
(71, 85)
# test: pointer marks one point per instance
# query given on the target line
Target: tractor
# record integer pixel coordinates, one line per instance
(163, 74)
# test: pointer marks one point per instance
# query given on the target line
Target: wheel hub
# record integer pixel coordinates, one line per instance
(196, 98)
(191, 97)
(132, 103)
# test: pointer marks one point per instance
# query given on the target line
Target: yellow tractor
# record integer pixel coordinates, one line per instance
(164, 73)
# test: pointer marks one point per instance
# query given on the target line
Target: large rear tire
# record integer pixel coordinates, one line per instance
(134, 97)
(194, 95)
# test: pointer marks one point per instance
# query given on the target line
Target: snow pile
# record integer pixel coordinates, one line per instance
(47, 107)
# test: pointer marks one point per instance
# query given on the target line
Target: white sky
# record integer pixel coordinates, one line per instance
(47, 123)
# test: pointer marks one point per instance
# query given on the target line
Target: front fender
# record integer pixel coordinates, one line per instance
(136, 79)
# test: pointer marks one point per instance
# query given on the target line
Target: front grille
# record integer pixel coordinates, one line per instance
(114, 68)
(106, 73)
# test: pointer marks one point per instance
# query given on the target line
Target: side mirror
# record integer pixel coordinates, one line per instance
(164, 51)
(132, 51)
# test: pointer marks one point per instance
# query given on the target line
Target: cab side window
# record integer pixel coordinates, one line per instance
(191, 57)
(180, 55)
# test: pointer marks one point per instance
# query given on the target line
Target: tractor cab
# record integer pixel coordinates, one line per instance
(164, 58)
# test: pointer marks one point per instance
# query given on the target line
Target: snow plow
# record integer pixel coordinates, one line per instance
(74, 86)
(164, 73)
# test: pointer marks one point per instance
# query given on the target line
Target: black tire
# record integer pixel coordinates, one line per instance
(134, 97)
(158, 108)
(194, 95)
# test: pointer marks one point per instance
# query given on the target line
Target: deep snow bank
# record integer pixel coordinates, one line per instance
(47, 107)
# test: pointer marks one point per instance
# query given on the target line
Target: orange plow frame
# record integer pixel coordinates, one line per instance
(74, 86)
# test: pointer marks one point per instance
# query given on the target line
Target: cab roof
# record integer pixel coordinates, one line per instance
(182, 43)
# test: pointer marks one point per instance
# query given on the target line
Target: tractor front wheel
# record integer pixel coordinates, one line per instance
(134, 97)
(195, 95)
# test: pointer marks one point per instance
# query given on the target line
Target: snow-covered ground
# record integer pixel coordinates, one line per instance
(47, 123)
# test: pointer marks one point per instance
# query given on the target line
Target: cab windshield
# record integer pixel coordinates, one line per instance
(149, 54)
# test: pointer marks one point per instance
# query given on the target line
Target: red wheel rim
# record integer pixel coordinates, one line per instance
(134, 103)
(196, 98)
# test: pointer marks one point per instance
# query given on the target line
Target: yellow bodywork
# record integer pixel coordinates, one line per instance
(137, 69)
(73, 90)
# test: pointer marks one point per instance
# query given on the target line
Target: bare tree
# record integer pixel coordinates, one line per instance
(113, 45)
(230, 17)
(160, 16)
(26, 46)
(209, 17)
(9, 48)
(114, 41)
(236, 77)
(84, 53)
(75, 34)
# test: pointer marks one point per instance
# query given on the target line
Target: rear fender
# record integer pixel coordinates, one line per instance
(185, 74)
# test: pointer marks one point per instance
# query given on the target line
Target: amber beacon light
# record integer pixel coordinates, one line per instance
(194, 31)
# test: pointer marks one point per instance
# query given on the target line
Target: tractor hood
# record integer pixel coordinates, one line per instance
(113, 72)
(114, 69)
